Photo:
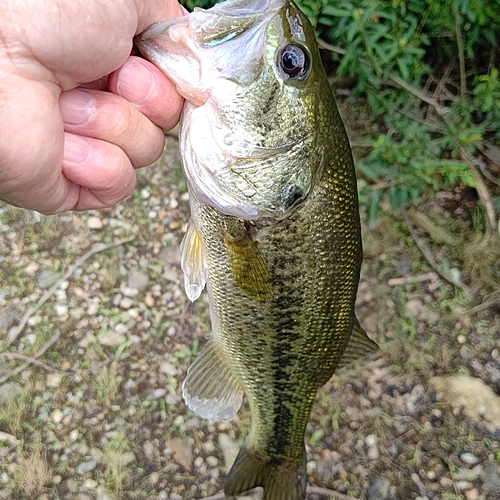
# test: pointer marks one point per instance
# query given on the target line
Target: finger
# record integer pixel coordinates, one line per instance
(149, 90)
(101, 170)
(110, 118)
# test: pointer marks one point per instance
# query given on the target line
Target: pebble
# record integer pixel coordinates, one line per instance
(468, 458)
(57, 416)
(472, 494)
(111, 338)
(491, 477)
(54, 380)
(229, 448)
(137, 279)
(158, 393)
(94, 222)
(212, 461)
(74, 435)
(90, 483)
(163, 495)
(126, 302)
(47, 278)
(378, 488)
(9, 391)
(87, 466)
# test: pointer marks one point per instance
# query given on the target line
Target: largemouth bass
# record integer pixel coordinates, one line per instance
(274, 230)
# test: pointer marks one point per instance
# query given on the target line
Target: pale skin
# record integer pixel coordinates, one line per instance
(64, 146)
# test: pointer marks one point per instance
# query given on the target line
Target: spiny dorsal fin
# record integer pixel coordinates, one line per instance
(193, 263)
(359, 345)
(211, 389)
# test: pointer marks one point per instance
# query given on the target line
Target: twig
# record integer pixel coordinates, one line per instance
(30, 361)
(482, 192)
(413, 279)
(314, 490)
(430, 259)
(19, 369)
(461, 56)
(100, 247)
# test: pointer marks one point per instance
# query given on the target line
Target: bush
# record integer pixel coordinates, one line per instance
(427, 71)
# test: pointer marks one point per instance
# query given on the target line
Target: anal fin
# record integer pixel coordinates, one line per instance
(211, 389)
(359, 345)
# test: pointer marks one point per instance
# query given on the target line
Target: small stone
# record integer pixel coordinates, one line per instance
(472, 494)
(158, 393)
(371, 440)
(57, 416)
(198, 462)
(163, 495)
(463, 485)
(137, 279)
(468, 458)
(9, 391)
(74, 435)
(72, 485)
(61, 309)
(56, 480)
(229, 448)
(378, 488)
(127, 302)
(90, 484)
(212, 461)
(168, 368)
(111, 338)
(130, 292)
(94, 222)
(154, 477)
(4, 477)
(31, 268)
(47, 278)
(54, 380)
(491, 477)
(84, 467)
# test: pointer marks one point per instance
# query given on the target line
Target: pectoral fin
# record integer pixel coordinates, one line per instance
(193, 263)
(359, 345)
(248, 268)
(211, 389)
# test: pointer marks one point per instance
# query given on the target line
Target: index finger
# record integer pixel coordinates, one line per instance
(149, 90)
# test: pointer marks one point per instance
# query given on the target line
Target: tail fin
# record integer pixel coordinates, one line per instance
(285, 480)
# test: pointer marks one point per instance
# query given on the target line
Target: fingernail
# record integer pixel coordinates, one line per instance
(76, 106)
(76, 148)
(135, 82)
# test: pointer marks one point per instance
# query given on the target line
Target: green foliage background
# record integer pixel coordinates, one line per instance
(428, 71)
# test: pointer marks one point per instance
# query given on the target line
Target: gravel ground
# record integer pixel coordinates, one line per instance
(97, 335)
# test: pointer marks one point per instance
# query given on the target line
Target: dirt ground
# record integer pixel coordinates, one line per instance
(97, 334)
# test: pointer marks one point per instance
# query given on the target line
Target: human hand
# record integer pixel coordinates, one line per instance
(68, 148)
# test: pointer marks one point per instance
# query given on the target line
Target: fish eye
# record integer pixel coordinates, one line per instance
(294, 61)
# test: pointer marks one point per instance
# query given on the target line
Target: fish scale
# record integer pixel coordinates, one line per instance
(274, 231)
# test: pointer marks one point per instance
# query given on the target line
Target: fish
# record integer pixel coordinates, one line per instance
(274, 233)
